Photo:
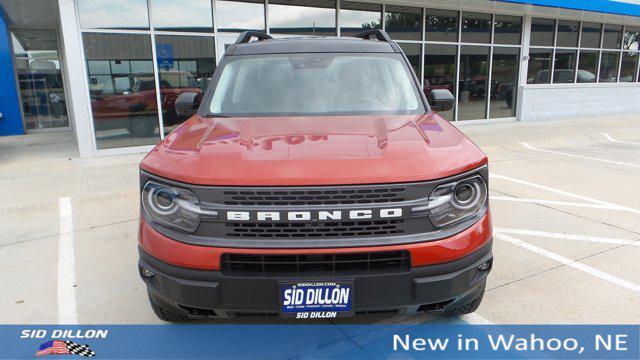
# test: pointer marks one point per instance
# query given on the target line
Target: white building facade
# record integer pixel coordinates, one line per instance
(110, 70)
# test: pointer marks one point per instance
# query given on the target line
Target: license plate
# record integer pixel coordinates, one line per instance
(316, 300)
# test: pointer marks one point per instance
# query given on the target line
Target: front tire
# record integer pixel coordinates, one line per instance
(467, 308)
(167, 315)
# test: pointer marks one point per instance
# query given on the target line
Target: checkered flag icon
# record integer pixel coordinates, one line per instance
(77, 349)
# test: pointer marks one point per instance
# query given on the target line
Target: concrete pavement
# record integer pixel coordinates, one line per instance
(564, 200)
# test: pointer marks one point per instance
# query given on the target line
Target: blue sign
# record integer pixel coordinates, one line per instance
(316, 299)
(602, 6)
(164, 53)
(331, 341)
(10, 115)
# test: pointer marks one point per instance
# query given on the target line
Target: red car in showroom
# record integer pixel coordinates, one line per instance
(137, 110)
(314, 180)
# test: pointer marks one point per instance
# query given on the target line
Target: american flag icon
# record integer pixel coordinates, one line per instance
(59, 347)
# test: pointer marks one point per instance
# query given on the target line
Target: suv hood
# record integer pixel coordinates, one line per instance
(327, 150)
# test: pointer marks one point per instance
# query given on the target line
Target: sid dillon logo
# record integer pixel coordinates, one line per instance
(60, 347)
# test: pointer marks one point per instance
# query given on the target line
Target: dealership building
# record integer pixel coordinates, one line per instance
(109, 71)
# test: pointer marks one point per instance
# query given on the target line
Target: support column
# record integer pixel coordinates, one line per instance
(79, 107)
(524, 64)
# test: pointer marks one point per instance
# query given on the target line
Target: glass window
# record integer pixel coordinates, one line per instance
(588, 66)
(440, 71)
(474, 70)
(179, 15)
(318, 84)
(591, 33)
(120, 67)
(123, 102)
(476, 28)
(238, 16)
(98, 67)
(34, 43)
(609, 66)
(542, 31)
(565, 65)
(356, 17)
(306, 17)
(403, 22)
(413, 53)
(186, 64)
(539, 66)
(441, 25)
(504, 82)
(631, 38)
(629, 66)
(104, 14)
(39, 76)
(141, 66)
(568, 33)
(507, 30)
(612, 37)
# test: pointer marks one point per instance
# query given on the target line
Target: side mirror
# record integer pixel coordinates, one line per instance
(187, 103)
(441, 100)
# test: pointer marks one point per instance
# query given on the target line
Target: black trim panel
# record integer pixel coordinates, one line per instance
(177, 288)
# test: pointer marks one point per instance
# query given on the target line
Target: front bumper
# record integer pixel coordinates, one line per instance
(199, 293)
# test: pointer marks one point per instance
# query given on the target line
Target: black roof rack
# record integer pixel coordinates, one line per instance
(246, 36)
(381, 35)
(312, 44)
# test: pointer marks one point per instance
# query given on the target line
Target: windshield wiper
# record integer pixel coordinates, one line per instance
(217, 116)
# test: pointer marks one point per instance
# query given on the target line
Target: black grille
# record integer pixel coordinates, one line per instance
(291, 265)
(315, 229)
(315, 197)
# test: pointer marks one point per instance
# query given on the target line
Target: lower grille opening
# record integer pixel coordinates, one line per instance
(321, 264)
(435, 307)
(198, 312)
(249, 314)
(375, 312)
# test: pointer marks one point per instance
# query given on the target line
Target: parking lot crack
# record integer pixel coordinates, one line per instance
(571, 214)
(518, 151)
(57, 234)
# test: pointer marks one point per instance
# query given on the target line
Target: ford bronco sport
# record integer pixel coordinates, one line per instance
(314, 180)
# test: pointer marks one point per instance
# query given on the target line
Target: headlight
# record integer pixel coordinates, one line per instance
(457, 201)
(173, 207)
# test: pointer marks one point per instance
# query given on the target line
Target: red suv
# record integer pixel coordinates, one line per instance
(314, 181)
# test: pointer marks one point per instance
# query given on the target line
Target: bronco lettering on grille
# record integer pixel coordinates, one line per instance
(321, 215)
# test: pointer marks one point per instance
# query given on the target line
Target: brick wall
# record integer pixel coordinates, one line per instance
(578, 100)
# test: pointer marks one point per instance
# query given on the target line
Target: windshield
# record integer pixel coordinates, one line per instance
(315, 84)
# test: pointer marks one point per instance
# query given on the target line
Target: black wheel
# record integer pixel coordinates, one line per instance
(141, 126)
(168, 315)
(468, 307)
